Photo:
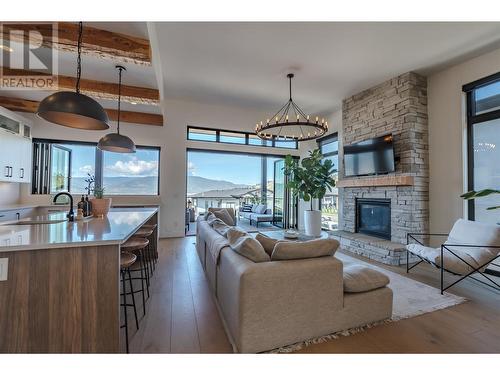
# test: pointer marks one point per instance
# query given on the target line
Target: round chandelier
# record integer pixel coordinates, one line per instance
(290, 123)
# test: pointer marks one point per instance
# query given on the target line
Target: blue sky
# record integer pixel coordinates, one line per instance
(142, 163)
(239, 169)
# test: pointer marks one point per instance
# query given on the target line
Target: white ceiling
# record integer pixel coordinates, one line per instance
(245, 64)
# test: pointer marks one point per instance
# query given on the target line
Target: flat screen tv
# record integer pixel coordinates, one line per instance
(373, 156)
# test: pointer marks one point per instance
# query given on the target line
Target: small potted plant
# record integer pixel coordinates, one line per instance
(309, 180)
(100, 205)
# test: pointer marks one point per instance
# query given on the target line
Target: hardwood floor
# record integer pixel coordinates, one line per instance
(182, 316)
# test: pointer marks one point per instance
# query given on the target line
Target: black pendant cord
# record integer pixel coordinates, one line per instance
(79, 58)
(120, 69)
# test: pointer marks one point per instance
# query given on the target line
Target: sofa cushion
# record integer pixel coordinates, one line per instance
(229, 210)
(220, 227)
(224, 215)
(287, 250)
(260, 209)
(266, 242)
(254, 207)
(247, 208)
(248, 247)
(234, 233)
(358, 279)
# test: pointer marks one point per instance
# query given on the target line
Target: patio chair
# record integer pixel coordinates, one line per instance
(470, 250)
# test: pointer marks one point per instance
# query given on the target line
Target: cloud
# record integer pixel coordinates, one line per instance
(134, 167)
(84, 169)
(191, 169)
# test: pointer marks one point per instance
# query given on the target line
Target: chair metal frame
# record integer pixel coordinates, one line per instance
(441, 266)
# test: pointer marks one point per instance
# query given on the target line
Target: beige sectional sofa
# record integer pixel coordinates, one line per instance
(272, 304)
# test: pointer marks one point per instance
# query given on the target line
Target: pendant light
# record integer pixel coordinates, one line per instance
(73, 109)
(116, 142)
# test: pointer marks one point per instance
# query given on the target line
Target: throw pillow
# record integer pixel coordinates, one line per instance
(234, 233)
(246, 208)
(254, 207)
(210, 218)
(358, 278)
(224, 216)
(261, 209)
(267, 243)
(220, 227)
(288, 250)
(250, 248)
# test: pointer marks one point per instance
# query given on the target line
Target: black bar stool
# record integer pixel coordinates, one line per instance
(147, 233)
(138, 246)
(126, 261)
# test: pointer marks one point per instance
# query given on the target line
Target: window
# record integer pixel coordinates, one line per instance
(230, 137)
(131, 174)
(329, 147)
(200, 134)
(483, 144)
(64, 166)
(241, 138)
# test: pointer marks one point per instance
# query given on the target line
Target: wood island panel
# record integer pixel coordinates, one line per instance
(61, 301)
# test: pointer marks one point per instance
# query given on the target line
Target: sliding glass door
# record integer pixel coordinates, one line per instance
(232, 180)
(279, 193)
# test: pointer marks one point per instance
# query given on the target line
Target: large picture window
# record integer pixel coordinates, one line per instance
(483, 144)
(329, 147)
(64, 166)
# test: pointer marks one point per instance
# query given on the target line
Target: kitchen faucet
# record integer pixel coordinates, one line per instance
(71, 214)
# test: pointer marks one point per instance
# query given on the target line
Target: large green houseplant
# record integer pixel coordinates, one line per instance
(310, 179)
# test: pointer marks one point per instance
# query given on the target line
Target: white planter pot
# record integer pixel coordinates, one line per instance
(312, 222)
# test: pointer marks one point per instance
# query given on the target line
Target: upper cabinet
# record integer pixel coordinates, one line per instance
(15, 147)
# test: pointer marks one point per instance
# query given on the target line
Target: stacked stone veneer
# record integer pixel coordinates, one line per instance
(397, 106)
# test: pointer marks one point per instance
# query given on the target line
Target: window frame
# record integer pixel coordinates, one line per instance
(246, 136)
(99, 163)
(334, 137)
(472, 119)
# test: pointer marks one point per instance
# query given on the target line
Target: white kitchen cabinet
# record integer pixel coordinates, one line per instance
(15, 148)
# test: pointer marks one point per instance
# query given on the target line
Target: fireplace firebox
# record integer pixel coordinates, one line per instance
(373, 217)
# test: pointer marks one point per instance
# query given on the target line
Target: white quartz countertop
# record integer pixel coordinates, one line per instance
(115, 228)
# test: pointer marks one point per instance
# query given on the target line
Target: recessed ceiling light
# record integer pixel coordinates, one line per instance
(133, 103)
(6, 48)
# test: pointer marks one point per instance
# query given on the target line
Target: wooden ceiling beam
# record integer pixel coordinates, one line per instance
(97, 42)
(95, 89)
(31, 106)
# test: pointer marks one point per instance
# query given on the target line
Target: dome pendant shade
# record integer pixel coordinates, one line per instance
(115, 142)
(74, 110)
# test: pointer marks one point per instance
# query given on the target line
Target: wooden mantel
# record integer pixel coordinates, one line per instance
(389, 180)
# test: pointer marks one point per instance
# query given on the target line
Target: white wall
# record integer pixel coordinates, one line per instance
(172, 140)
(446, 106)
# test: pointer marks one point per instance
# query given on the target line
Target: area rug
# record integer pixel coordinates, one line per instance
(410, 298)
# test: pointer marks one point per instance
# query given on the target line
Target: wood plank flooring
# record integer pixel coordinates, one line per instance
(182, 317)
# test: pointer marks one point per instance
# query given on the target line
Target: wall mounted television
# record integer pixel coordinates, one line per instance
(370, 157)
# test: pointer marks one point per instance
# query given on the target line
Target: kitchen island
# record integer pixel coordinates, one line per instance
(62, 292)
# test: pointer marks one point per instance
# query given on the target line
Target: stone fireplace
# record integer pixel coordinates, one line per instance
(398, 107)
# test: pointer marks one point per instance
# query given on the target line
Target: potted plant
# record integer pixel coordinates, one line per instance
(309, 180)
(100, 205)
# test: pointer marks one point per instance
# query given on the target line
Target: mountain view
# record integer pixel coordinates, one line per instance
(137, 185)
(197, 184)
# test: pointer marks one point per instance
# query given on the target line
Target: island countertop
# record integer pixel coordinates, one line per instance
(115, 228)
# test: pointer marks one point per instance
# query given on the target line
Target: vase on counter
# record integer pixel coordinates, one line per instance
(100, 206)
